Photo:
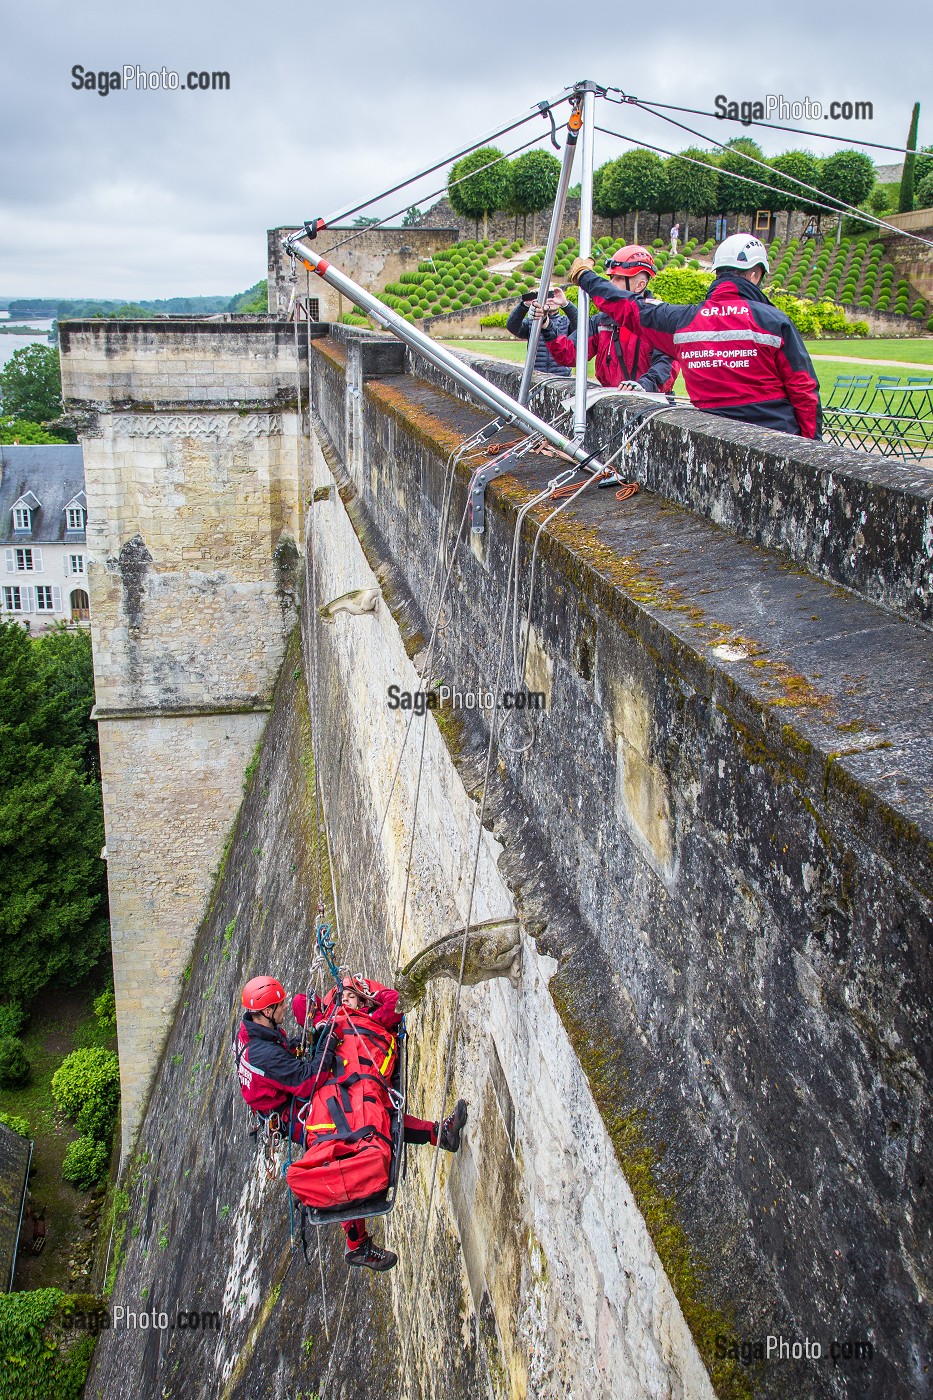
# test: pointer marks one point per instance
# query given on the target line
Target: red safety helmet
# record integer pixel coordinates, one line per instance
(357, 984)
(629, 260)
(261, 992)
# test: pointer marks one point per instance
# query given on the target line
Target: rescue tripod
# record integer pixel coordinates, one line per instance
(580, 130)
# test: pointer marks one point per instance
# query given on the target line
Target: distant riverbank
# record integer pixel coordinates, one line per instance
(22, 334)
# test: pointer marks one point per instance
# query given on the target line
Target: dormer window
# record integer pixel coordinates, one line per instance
(76, 512)
(23, 511)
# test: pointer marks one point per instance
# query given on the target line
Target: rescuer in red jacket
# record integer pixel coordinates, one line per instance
(275, 1077)
(740, 356)
(621, 355)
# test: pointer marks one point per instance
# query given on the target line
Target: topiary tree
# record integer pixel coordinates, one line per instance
(479, 184)
(535, 177)
(847, 177)
(905, 200)
(685, 285)
(738, 196)
(878, 201)
(693, 184)
(802, 166)
(633, 182)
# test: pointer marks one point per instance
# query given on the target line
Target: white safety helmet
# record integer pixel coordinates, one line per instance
(740, 250)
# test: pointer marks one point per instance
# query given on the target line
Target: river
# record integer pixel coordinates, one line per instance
(10, 343)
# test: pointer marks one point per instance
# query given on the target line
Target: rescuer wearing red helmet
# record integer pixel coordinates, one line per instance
(271, 1070)
(741, 357)
(621, 356)
(274, 1074)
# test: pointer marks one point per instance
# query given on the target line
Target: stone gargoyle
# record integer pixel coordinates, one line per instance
(493, 950)
(358, 602)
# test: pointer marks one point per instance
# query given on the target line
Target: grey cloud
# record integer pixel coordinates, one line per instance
(155, 193)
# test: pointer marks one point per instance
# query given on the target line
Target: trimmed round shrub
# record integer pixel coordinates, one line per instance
(84, 1074)
(14, 1064)
(85, 1163)
(98, 1117)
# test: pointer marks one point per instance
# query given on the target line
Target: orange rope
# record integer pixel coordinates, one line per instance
(625, 492)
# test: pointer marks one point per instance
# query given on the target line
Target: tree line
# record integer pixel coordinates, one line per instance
(696, 182)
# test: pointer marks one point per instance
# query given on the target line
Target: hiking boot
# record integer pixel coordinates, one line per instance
(370, 1256)
(452, 1127)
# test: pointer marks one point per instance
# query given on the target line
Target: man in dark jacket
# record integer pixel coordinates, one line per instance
(272, 1071)
(622, 357)
(740, 356)
(559, 314)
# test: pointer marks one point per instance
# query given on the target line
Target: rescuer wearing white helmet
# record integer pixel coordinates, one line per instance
(740, 356)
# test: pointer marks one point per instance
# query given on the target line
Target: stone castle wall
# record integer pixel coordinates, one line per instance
(371, 257)
(190, 435)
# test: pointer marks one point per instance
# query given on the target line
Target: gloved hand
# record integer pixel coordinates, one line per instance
(578, 266)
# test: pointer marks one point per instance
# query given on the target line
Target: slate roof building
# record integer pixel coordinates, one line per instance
(43, 520)
(15, 1157)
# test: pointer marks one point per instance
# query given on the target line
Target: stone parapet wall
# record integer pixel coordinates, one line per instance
(857, 519)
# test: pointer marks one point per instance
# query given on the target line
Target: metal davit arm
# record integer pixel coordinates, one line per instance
(489, 394)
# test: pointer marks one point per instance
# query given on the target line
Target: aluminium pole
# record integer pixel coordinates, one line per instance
(586, 245)
(550, 252)
(489, 394)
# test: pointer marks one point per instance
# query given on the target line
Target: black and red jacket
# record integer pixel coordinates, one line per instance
(269, 1069)
(621, 354)
(740, 356)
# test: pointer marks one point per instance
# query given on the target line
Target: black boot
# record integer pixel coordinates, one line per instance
(370, 1256)
(452, 1127)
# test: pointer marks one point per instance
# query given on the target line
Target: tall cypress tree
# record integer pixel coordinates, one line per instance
(906, 197)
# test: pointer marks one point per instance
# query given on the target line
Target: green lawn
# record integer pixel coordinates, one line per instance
(501, 349)
(918, 352)
(826, 370)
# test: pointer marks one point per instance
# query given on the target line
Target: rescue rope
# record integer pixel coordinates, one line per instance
(452, 1037)
(838, 208)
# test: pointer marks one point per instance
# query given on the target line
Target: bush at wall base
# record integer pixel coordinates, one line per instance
(43, 1357)
(86, 1162)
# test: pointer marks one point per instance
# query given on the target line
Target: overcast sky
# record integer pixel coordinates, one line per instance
(152, 194)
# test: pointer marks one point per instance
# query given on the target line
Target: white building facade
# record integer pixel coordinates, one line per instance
(43, 523)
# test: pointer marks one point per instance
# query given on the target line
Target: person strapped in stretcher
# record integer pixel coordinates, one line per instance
(346, 1130)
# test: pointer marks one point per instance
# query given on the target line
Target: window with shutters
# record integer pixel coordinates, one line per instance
(13, 599)
(76, 563)
(25, 561)
(44, 599)
(22, 518)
